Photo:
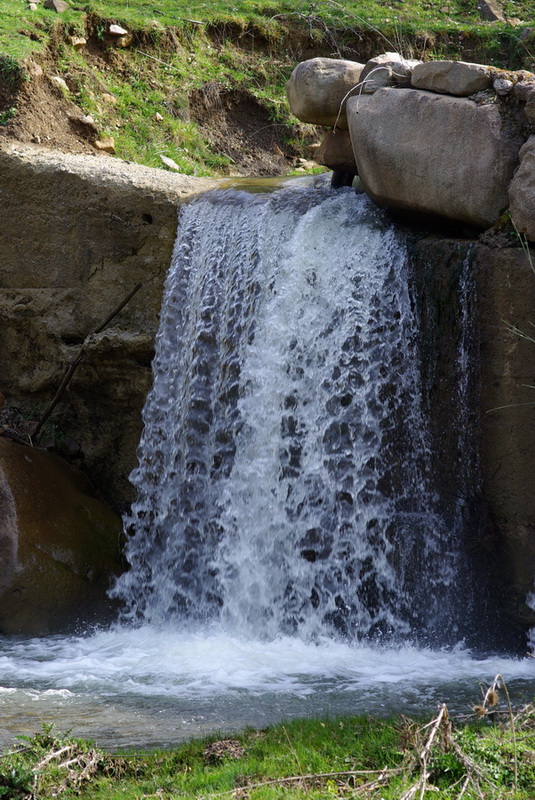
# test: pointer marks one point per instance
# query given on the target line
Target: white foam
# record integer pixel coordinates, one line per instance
(146, 661)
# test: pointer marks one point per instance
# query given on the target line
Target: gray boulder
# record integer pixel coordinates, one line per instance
(522, 191)
(336, 152)
(458, 78)
(387, 69)
(430, 153)
(317, 88)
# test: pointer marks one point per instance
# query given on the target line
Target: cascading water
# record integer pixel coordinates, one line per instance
(284, 481)
(292, 547)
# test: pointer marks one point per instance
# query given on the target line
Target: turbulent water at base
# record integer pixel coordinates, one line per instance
(290, 551)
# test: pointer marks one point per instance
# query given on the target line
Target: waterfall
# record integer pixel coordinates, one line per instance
(302, 542)
(285, 482)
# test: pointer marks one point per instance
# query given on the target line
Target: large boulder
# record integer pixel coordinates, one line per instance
(318, 87)
(387, 69)
(459, 78)
(433, 154)
(59, 545)
(522, 191)
(336, 152)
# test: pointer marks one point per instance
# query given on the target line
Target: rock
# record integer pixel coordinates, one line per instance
(317, 88)
(78, 42)
(59, 545)
(34, 70)
(170, 163)
(59, 6)
(123, 41)
(158, 117)
(84, 124)
(108, 98)
(105, 145)
(430, 153)
(451, 77)
(111, 225)
(120, 37)
(387, 69)
(529, 108)
(522, 192)
(336, 152)
(59, 82)
(491, 10)
(33, 6)
(70, 448)
(117, 30)
(524, 89)
(306, 164)
(503, 86)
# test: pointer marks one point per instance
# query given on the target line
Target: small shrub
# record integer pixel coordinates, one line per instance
(6, 115)
(11, 71)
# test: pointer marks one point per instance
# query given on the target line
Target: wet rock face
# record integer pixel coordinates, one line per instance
(59, 545)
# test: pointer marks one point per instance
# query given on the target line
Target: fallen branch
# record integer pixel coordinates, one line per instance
(74, 364)
(69, 748)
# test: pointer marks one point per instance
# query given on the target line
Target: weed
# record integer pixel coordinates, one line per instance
(354, 757)
(11, 71)
(7, 115)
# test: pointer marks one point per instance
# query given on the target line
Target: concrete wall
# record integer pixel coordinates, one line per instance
(77, 233)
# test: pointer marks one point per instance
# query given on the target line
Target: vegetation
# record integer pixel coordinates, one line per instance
(141, 95)
(489, 755)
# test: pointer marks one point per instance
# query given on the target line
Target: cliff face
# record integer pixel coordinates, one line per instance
(501, 512)
(59, 545)
(78, 232)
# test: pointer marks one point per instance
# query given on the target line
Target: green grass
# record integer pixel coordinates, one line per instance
(319, 759)
(181, 45)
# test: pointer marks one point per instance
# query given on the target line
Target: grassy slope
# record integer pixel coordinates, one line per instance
(179, 46)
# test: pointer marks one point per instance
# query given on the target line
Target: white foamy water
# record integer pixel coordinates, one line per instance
(129, 687)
